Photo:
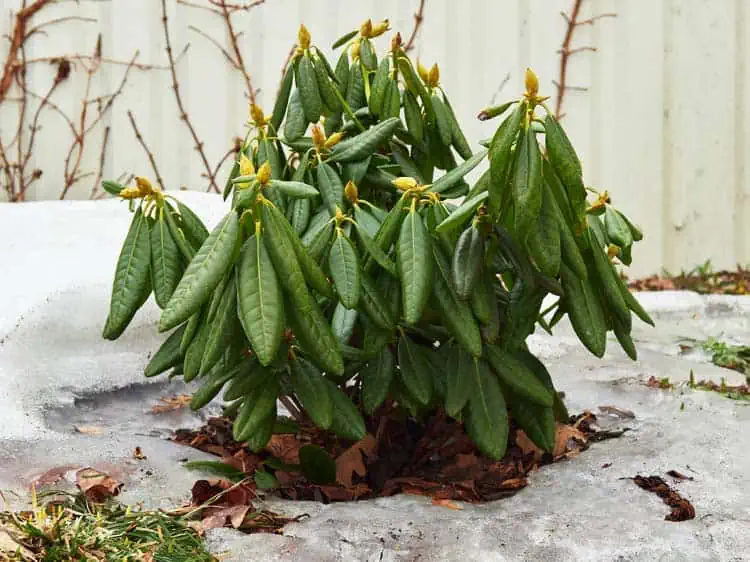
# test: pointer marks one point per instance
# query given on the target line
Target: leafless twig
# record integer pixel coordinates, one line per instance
(150, 154)
(418, 19)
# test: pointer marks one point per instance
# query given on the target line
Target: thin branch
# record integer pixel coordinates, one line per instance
(236, 47)
(150, 155)
(502, 85)
(39, 28)
(216, 44)
(418, 19)
(102, 158)
(105, 60)
(178, 98)
(566, 51)
(247, 6)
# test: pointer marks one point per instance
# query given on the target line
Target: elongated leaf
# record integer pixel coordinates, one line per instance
(344, 265)
(516, 375)
(527, 184)
(365, 143)
(131, 278)
(442, 120)
(344, 39)
(355, 88)
(487, 420)
(413, 117)
(536, 421)
(312, 391)
(222, 326)
(330, 186)
(372, 248)
(168, 355)
(378, 86)
(459, 139)
(467, 261)
(326, 87)
(415, 369)
(304, 77)
(258, 406)
(195, 231)
(282, 98)
(584, 311)
(501, 153)
(317, 465)
(463, 212)
(343, 322)
(248, 375)
(295, 189)
(259, 300)
(543, 241)
(376, 380)
(366, 221)
(565, 161)
(456, 174)
(415, 265)
(375, 305)
(347, 421)
(194, 353)
(166, 261)
(296, 123)
(316, 338)
(203, 273)
(460, 371)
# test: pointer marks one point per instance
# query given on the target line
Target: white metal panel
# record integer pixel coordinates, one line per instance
(663, 124)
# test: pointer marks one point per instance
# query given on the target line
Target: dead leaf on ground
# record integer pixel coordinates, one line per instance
(54, 475)
(682, 509)
(226, 516)
(617, 412)
(679, 475)
(352, 461)
(88, 429)
(97, 486)
(662, 383)
(138, 454)
(569, 442)
(171, 403)
(446, 503)
(285, 447)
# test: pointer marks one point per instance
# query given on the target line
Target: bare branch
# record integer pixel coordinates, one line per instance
(150, 155)
(102, 157)
(418, 19)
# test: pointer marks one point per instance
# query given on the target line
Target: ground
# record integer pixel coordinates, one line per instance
(56, 375)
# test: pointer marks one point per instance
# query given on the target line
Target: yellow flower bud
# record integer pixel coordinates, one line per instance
(303, 37)
(144, 186)
(404, 183)
(264, 173)
(355, 49)
(318, 137)
(351, 191)
(339, 215)
(612, 251)
(434, 75)
(246, 166)
(365, 30)
(424, 74)
(334, 139)
(131, 192)
(380, 28)
(532, 83)
(256, 114)
(396, 42)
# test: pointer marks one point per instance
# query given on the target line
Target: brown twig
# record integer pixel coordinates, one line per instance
(102, 158)
(418, 19)
(566, 51)
(150, 154)
(180, 105)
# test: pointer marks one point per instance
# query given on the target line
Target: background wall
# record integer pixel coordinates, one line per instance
(663, 123)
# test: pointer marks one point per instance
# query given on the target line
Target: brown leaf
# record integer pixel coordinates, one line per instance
(682, 509)
(285, 447)
(350, 462)
(171, 403)
(225, 516)
(138, 454)
(678, 475)
(617, 412)
(569, 441)
(446, 503)
(55, 474)
(97, 486)
(527, 446)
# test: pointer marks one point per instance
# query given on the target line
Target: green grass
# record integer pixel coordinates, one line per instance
(735, 357)
(77, 530)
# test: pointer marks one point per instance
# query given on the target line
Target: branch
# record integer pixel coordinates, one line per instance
(102, 157)
(566, 51)
(150, 155)
(178, 98)
(418, 19)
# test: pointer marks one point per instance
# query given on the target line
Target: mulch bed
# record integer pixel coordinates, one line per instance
(437, 460)
(715, 282)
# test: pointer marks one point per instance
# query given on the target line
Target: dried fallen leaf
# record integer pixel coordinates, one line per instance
(678, 475)
(97, 486)
(446, 503)
(88, 429)
(285, 447)
(351, 461)
(171, 403)
(55, 474)
(138, 454)
(569, 441)
(221, 517)
(682, 509)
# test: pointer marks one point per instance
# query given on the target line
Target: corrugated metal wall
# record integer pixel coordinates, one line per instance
(663, 124)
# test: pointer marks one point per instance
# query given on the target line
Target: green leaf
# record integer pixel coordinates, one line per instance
(378, 86)
(463, 212)
(367, 55)
(442, 120)
(342, 72)
(527, 184)
(365, 143)
(295, 189)
(584, 311)
(487, 419)
(326, 87)
(459, 139)
(501, 155)
(376, 380)
(259, 299)
(460, 369)
(355, 88)
(265, 480)
(296, 123)
(413, 117)
(310, 387)
(344, 39)
(223, 326)
(372, 248)
(415, 86)
(314, 334)
(456, 174)
(299, 213)
(566, 164)
(347, 421)
(131, 278)
(543, 241)
(331, 187)
(258, 406)
(194, 352)
(415, 370)
(391, 101)
(193, 227)
(203, 273)
(216, 468)
(467, 261)
(375, 305)
(307, 83)
(166, 261)
(343, 322)
(213, 381)
(112, 187)
(168, 355)
(317, 465)
(518, 377)
(415, 265)
(282, 99)
(344, 265)
(536, 421)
